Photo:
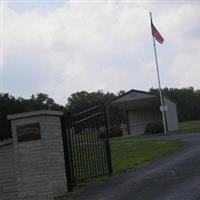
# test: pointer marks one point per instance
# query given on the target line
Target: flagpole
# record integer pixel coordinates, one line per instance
(1, 48)
(159, 84)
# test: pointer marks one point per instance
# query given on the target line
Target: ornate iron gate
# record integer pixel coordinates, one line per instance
(86, 144)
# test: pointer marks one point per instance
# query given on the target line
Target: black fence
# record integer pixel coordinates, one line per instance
(86, 144)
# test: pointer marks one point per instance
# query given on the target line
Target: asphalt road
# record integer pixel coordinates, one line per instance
(175, 177)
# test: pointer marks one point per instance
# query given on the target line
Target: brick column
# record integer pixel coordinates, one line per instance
(39, 156)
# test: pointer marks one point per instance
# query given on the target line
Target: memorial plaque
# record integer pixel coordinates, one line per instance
(28, 132)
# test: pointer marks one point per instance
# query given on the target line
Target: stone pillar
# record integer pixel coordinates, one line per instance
(39, 156)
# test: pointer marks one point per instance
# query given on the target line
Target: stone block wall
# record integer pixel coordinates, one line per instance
(8, 184)
(39, 164)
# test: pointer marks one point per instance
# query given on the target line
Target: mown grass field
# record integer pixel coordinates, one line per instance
(127, 153)
(133, 152)
(190, 126)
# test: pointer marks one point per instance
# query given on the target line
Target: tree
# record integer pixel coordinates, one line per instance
(83, 99)
(12, 105)
(186, 99)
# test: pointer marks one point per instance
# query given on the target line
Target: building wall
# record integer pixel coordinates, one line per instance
(171, 115)
(8, 185)
(138, 119)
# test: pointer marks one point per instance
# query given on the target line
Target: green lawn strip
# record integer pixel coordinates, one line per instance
(192, 126)
(127, 153)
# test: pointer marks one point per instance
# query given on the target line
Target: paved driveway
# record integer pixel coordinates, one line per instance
(176, 176)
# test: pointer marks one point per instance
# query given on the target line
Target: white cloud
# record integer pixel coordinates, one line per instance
(99, 46)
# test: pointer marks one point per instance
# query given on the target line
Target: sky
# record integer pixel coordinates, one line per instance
(61, 47)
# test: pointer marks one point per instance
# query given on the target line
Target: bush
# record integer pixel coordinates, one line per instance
(153, 128)
(115, 132)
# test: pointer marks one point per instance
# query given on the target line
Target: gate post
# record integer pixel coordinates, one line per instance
(108, 150)
(67, 150)
(39, 156)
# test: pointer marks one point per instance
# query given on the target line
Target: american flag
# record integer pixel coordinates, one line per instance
(156, 34)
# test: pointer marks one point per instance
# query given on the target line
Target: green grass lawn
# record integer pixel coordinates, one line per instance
(192, 126)
(133, 152)
(128, 153)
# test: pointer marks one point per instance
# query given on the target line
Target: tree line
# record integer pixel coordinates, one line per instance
(187, 100)
(11, 105)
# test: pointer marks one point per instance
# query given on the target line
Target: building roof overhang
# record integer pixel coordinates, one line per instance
(135, 99)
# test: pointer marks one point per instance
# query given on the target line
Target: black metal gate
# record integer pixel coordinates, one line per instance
(86, 144)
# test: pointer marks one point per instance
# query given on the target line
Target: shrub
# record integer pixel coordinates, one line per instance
(153, 128)
(115, 132)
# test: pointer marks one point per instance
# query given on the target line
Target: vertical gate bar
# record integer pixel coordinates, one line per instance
(98, 152)
(76, 146)
(101, 151)
(108, 150)
(97, 139)
(91, 140)
(86, 165)
(66, 148)
(69, 135)
(93, 137)
(104, 143)
(73, 148)
(79, 155)
(100, 155)
(92, 145)
(88, 138)
(84, 145)
(70, 146)
(83, 140)
(73, 152)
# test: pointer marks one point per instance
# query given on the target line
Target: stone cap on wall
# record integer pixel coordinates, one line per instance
(34, 114)
(5, 142)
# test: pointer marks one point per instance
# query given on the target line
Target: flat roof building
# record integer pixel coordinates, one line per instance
(143, 108)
